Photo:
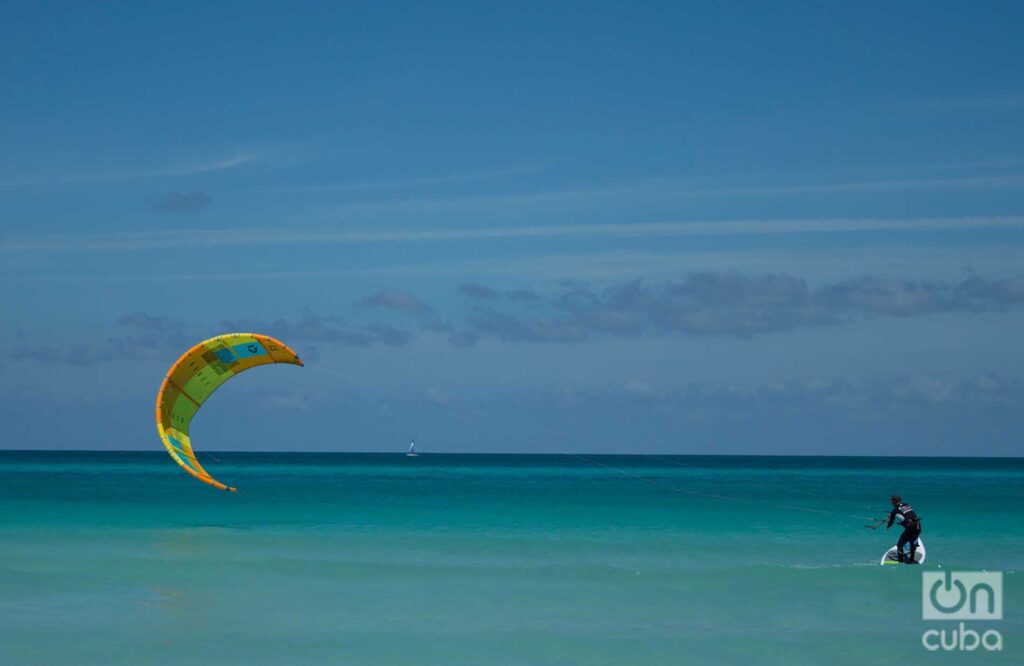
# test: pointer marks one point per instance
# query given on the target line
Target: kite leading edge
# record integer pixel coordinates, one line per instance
(196, 375)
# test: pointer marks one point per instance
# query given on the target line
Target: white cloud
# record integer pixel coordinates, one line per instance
(99, 175)
(438, 395)
(670, 188)
(638, 388)
(418, 182)
(135, 241)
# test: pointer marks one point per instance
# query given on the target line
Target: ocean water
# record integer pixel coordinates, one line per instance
(121, 558)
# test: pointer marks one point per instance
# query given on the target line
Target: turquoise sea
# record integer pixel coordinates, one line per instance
(122, 558)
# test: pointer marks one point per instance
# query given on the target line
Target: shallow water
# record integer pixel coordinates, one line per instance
(455, 559)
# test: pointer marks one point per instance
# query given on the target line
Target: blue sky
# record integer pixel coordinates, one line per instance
(735, 228)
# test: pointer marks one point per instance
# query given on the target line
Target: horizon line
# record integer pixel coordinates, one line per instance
(402, 452)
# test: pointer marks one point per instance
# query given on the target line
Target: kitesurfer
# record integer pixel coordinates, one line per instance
(904, 513)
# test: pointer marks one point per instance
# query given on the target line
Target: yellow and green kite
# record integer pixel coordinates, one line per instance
(196, 375)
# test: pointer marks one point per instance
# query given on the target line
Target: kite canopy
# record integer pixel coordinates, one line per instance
(194, 378)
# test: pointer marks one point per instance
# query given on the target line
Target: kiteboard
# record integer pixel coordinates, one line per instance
(919, 555)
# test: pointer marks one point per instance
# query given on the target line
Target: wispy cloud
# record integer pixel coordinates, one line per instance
(667, 189)
(884, 398)
(701, 305)
(515, 328)
(967, 182)
(610, 266)
(522, 295)
(181, 202)
(403, 183)
(981, 103)
(136, 241)
(77, 354)
(478, 291)
(395, 299)
(316, 328)
(733, 305)
(142, 336)
(99, 175)
(146, 336)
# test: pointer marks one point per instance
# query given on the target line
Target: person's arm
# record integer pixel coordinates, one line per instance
(892, 517)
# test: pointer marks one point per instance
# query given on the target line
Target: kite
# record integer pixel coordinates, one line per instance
(196, 375)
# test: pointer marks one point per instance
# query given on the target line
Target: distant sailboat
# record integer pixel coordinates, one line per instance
(412, 449)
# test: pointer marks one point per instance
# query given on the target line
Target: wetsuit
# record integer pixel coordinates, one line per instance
(911, 529)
